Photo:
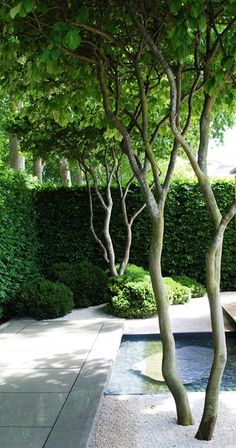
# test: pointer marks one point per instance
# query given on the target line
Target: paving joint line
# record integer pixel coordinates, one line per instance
(77, 376)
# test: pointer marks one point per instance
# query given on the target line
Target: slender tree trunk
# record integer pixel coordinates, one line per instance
(213, 265)
(17, 161)
(107, 247)
(65, 172)
(127, 249)
(209, 417)
(107, 236)
(79, 177)
(169, 371)
(38, 168)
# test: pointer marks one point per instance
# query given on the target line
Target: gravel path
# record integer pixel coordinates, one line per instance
(150, 422)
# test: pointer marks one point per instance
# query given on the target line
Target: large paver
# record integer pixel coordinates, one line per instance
(52, 376)
(37, 380)
(11, 437)
(30, 409)
(73, 427)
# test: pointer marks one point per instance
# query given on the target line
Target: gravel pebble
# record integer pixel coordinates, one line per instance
(149, 421)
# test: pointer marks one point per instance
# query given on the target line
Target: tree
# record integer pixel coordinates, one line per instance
(100, 159)
(93, 150)
(215, 49)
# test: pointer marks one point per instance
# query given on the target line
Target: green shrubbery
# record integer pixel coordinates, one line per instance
(60, 211)
(86, 281)
(131, 295)
(43, 299)
(134, 300)
(176, 293)
(18, 239)
(197, 290)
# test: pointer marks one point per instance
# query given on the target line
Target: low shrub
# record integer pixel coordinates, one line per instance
(180, 294)
(197, 289)
(133, 272)
(43, 299)
(131, 296)
(134, 301)
(86, 281)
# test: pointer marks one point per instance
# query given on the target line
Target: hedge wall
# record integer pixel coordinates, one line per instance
(18, 240)
(63, 229)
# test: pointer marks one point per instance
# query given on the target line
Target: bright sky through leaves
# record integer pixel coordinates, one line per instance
(222, 157)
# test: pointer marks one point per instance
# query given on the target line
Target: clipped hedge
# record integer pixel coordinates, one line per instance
(63, 228)
(18, 239)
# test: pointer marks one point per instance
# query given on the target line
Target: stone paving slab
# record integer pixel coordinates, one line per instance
(37, 380)
(230, 309)
(30, 409)
(52, 377)
(23, 437)
(78, 415)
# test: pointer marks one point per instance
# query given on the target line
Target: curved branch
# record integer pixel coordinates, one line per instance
(145, 137)
(97, 239)
(126, 144)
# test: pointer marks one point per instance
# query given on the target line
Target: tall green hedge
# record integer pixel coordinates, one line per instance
(63, 229)
(18, 241)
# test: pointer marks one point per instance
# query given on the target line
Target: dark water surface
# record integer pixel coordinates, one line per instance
(137, 369)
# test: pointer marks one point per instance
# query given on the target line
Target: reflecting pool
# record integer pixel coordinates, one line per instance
(137, 369)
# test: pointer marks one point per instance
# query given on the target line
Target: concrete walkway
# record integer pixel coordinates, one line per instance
(52, 376)
(53, 373)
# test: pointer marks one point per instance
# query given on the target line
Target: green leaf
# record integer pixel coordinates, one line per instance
(82, 16)
(195, 10)
(72, 39)
(28, 5)
(175, 6)
(202, 23)
(23, 8)
(14, 11)
(228, 62)
(210, 87)
(220, 77)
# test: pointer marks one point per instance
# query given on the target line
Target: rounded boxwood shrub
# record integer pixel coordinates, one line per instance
(134, 272)
(131, 295)
(86, 281)
(197, 289)
(43, 299)
(134, 301)
(180, 294)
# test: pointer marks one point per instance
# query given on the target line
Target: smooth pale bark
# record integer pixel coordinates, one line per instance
(65, 173)
(17, 161)
(38, 168)
(213, 265)
(210, 413)
(79, 176)
(170, 374)
(107, 246)
(128, 225)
